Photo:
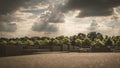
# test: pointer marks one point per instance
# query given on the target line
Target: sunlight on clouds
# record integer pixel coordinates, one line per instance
(24, 24)
(75, 25)
(71, 27)
(117, 10)
(64, 18)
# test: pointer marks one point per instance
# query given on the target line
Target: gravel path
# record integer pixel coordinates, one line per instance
(62, 60)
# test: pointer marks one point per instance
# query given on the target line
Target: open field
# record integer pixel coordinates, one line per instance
(62, 60)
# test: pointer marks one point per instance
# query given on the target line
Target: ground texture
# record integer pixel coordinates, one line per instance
(62, 60)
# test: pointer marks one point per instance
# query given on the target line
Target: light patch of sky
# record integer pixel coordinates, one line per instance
(72, 25)
(75, 25)
(118, 10)
(25, 24)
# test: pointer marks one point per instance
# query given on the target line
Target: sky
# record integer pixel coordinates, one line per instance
(19, 18)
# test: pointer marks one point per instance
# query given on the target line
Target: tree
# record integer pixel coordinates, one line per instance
(81, 36)
(78, 42)
(92, 35)
(100, 36)
(46, 41)
(30, 42)
(109, 43)
(12, 42)
(3, 42)
(56, 42)
(19, 42)
(67, 42)
(98, 43)
(41, 43)
(86, 42)
(118, 43)
(92, 39)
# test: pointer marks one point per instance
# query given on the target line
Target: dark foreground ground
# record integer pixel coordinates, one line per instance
(62, 60)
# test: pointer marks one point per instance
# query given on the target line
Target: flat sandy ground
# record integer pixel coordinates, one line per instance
(62, 60)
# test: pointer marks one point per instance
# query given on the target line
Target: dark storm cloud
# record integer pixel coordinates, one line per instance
(92, 7)
(9, 6)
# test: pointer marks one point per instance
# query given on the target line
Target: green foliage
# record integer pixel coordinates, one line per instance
(118, 43)
(46, 41)
(81, 36)
(92, 35)
(86, 42)
(30, 42)
(42, 43)
(78, 42)
(109, 42)
(56, 42)
(19, 42)
(3, 42)
(12, 42)
(83, 40)
(66, 41)
(98, 42)
(37, 42)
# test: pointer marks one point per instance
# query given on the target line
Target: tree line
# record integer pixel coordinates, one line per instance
(92, 39)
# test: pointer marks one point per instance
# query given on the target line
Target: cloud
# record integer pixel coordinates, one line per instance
(7, 27)
(8, 9)
(56, 17)
(94, 26)
(44, 27)
(52, 13)
(6, 24)
(92, 7)
(16, 11)
(49, 18)
(118, 10)
(9, 6)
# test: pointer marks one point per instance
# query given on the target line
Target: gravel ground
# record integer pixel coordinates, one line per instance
(62, 60)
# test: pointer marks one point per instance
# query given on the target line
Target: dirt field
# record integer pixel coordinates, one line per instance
(62, 60)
